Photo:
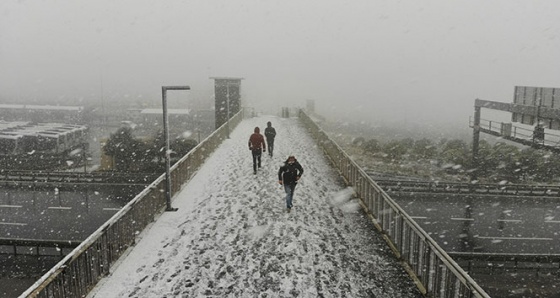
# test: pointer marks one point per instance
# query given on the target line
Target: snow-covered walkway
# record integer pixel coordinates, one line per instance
(232, 236)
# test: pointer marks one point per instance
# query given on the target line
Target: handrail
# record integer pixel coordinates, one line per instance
(527, 257)
(78, 272)
(532, 264)
(72, 177)
(40, 248)
(515, 131)
(40, 243)
(465, 188)
(438, 273)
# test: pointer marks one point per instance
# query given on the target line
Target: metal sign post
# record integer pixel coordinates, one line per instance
(167, 150)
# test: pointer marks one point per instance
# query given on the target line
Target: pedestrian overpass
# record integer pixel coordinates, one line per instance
(234, 238)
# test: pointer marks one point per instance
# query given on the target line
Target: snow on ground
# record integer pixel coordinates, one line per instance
(232, 236)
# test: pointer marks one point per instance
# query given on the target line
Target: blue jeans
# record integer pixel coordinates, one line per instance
(256, 159)
(289, 189)
(270, 146)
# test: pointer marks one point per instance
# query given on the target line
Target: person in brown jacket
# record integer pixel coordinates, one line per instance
(257, 147)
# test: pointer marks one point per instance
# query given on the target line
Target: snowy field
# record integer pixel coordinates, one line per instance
(232, 236)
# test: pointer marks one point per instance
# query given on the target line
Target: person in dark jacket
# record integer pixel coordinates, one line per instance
(270, 133)
(289, 175)
(257, 146)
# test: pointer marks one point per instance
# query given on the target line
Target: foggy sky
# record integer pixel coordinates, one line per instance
(391, 60)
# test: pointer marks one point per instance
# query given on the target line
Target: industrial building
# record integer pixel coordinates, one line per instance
(18, 138)
(41, 113)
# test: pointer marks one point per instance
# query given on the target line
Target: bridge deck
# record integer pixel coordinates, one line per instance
(233, 237)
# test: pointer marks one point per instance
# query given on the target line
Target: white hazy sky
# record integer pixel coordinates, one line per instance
(388, 60)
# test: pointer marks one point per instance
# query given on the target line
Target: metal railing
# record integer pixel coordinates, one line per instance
(78, 272)
(517, 132)
(390, 185)
(438, 273)
(11, 177)
(34, 247)
(496, 263)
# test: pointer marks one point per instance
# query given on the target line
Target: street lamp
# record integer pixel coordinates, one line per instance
(167, 151)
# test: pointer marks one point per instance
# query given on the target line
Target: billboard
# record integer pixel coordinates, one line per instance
(537, 97)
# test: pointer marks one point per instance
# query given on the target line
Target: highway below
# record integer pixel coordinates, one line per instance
(50, 214)
(59, 213)
(509, 242)
(486, 223)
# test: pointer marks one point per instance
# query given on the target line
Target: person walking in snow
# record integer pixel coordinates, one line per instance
(270, 133)
(289, 175)
(257, 146)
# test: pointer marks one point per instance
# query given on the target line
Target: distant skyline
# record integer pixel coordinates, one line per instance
(393, 61)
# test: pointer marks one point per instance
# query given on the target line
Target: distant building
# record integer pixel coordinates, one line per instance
(156, 115)
(227, 95)
(310, 106)
(41, 113)
(23, 137)
(148, 121)
(203, 123)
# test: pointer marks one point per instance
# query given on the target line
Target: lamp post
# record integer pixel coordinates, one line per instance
(167, 151)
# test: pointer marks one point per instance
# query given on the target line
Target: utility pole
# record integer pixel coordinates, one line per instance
(476, 140)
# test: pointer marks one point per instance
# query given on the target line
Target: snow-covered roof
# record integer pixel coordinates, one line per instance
(41, 107)
(10, 136)
(169, 111)
(11, 106)
(8, 125)
(49, 130)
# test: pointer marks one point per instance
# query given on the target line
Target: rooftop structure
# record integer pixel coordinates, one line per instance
(227, 94)
(40, 113)
(20, 137)
(40, 107)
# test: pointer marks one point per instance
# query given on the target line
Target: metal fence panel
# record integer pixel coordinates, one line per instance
(77, 273)
(439, 274)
